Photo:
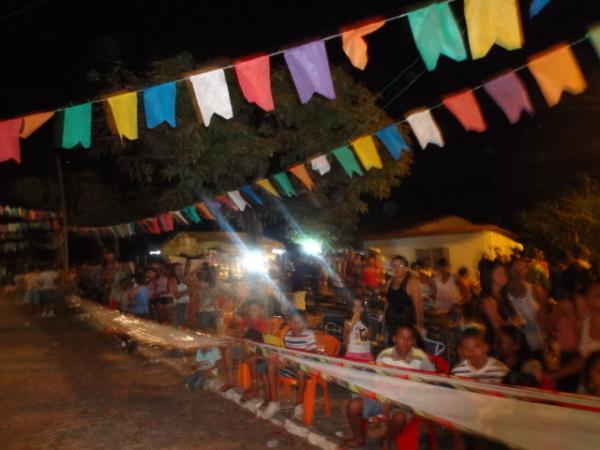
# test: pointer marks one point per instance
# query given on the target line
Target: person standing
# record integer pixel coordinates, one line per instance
(447, 292)
(48, 290)
(404, 305)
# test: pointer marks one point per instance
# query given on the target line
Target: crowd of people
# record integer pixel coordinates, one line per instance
(522, 323)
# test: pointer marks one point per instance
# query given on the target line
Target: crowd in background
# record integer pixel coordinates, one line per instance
(523, 322)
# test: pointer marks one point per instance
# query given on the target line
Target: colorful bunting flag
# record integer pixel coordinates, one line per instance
(320, 164)
(124, 113)
(555, 71)
(77, 126)
(159, 105)
(393, 141)
(166, 222)
(254, 76)
(212, 95)
(464, 106)
(309, 67)
(492, 22)
(191, 213)
(179, 218)
(301, 173)
(510, 94)
(367, 152)
(425, 128)
(238, 200)
(284, 183)
(354, 44)
(536, 7)
(10, 146)
(267, 186)
(594, 36)
(346, 158)
(253, 195)
(225, 201)
(32, 122)
(436, 33)
(204, 211)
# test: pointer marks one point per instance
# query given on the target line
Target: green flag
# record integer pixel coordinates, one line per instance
(77, 126)
(436, 33)
(284, 183)
(594, 35)
(346, 158)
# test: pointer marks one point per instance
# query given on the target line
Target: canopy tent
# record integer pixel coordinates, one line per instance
(198, 243)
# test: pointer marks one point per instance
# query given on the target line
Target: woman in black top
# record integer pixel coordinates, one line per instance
(404, 301)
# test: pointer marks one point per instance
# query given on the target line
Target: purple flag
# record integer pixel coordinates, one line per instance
(309, 67)
(510, 94)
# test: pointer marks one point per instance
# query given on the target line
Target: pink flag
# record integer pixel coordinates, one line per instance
(510, 94)
(254, 76)
(466, 109)
(10, 147)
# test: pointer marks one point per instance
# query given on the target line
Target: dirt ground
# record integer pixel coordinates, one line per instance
(64, 386)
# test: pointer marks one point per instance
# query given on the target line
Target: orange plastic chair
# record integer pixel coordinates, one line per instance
(327, 345)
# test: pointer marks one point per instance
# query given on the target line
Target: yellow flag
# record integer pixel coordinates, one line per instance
(556, 70)
(267, 186)
(492, 22)
(124, 112)
(367, 152)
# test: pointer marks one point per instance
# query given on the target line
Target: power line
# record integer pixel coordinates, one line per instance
(24, 9)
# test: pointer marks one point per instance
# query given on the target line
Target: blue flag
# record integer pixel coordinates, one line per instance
(253, 195)
(393, 141)
(436, 33)
(159, 105)
(536, 7)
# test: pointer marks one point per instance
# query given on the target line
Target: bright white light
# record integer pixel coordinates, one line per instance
(155, 252)
(254, 261)
(278, 251)
(311, 247)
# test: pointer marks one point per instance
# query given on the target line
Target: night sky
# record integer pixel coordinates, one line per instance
(55, 54)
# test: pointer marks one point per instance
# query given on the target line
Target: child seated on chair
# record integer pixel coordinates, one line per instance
(252, 325)
(404, 354)
(297, 338)
(477, 364)
(356, 332)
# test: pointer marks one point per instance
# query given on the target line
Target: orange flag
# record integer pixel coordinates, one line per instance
(32, 122)
(204, 211)
(556, 70)
(463, 105)
(354, 44)
(300, 172)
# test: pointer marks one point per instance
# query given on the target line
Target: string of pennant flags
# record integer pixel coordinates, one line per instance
(27, 214)
(434, 29)
(556, 70)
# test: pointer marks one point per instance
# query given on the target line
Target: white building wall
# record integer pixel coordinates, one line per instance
(464, 249)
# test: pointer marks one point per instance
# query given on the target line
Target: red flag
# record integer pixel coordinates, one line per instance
(10, 147)
(466, 109)
(254, 76)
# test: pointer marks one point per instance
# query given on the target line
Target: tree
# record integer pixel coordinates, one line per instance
(571, 219)
(175, 167)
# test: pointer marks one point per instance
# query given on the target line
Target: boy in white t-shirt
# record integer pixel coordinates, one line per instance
(405, 355)
(477, 364)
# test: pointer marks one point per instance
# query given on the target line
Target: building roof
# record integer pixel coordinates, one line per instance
(440, 226)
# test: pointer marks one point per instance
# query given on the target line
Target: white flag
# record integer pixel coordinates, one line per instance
(425, 128)
(212, 95)
(239, 201)
(320, 164)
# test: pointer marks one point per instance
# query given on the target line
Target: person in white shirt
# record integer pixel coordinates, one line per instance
(32, 284)
(404, 354)
(477, 364)
(48, 291)
(447, 291)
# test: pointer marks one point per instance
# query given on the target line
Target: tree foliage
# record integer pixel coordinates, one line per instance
(167, 169)
(571, 219)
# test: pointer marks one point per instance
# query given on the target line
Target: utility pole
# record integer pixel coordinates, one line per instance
(63, 207)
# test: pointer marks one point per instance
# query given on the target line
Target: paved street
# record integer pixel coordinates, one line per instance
(64, 387)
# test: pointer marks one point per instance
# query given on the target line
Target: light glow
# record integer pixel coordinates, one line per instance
(254, 261)
(311, 247)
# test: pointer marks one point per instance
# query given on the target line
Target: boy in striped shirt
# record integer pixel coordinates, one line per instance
(297, 338)
(477, 364)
